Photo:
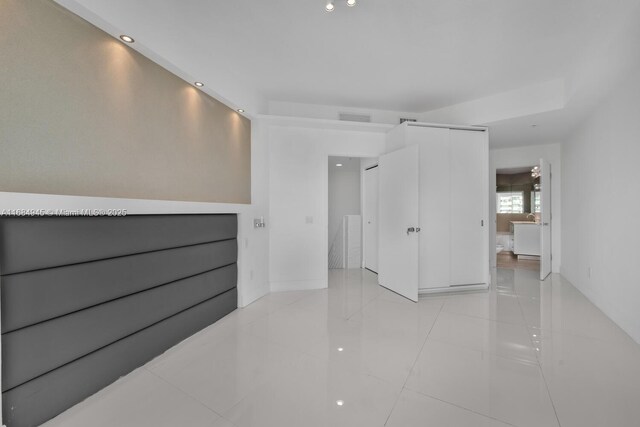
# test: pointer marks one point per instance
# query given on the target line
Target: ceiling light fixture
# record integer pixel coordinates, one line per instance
(240, 110)
(199, 84)
(127, 39)
(330, 6)
(338, 164)
(535, 172)
(339, 402)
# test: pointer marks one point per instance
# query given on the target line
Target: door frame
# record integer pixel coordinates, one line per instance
(493, 170)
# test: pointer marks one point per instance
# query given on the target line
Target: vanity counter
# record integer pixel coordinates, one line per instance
(526, 238)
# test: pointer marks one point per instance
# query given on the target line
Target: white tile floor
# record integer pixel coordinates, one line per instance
(527, 353)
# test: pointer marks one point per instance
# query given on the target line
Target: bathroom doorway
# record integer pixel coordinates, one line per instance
(518, 218)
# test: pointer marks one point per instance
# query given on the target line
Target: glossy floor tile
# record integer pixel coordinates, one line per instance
(139, 400)
(525, 353)
(315, 393)
(592, 382)
(505, 389)
(417, 410)
(498, 338)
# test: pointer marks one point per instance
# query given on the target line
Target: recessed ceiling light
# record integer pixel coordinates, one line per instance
(240, 110)
(199, 84)
(329, 7)
(338, 164)
(351, 3)
(340, 349)
(125, 38)
(339, 402)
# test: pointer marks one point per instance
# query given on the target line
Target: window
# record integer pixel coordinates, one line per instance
(535, 201)
(510, 202)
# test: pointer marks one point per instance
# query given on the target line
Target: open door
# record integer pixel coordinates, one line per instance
(370, 213)
(398, 221)
(545, 219)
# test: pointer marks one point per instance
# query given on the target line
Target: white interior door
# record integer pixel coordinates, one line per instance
(468, 197)
(371, 219)
(398, 221)
(545, 219)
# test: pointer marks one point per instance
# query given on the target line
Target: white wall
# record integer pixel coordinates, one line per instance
(256, 272)
(298, 195)
(530, 156)
(601, 204)
(344, 196)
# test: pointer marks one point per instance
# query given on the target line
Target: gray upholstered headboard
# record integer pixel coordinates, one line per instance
(85, 300)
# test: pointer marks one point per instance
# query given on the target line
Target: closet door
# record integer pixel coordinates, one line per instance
(467, 209)
(435, 201)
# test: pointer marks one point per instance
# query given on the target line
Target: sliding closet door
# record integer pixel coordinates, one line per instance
(468, 194)
(435, 200)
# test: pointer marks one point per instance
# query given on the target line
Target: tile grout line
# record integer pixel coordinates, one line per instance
(553, 405)
(536, 363)
(193, 398)
(492, 320)
(363, 306)
(415, 361)
(460, 407)
(532, 363)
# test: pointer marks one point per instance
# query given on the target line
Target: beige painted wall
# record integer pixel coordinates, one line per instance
(83, 114)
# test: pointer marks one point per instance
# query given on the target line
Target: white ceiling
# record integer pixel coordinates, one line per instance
(400, 55)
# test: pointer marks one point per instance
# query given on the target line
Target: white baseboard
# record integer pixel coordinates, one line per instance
(449, 289)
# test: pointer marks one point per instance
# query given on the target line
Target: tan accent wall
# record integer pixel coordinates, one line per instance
(81, 113)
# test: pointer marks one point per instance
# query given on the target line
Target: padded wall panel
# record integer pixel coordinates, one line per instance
(43, 242)
(44, 397)
(33, 297)
(35, 350)
(87, 299)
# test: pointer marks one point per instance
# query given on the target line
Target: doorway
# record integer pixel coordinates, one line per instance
(352, 213)
(523, 209)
